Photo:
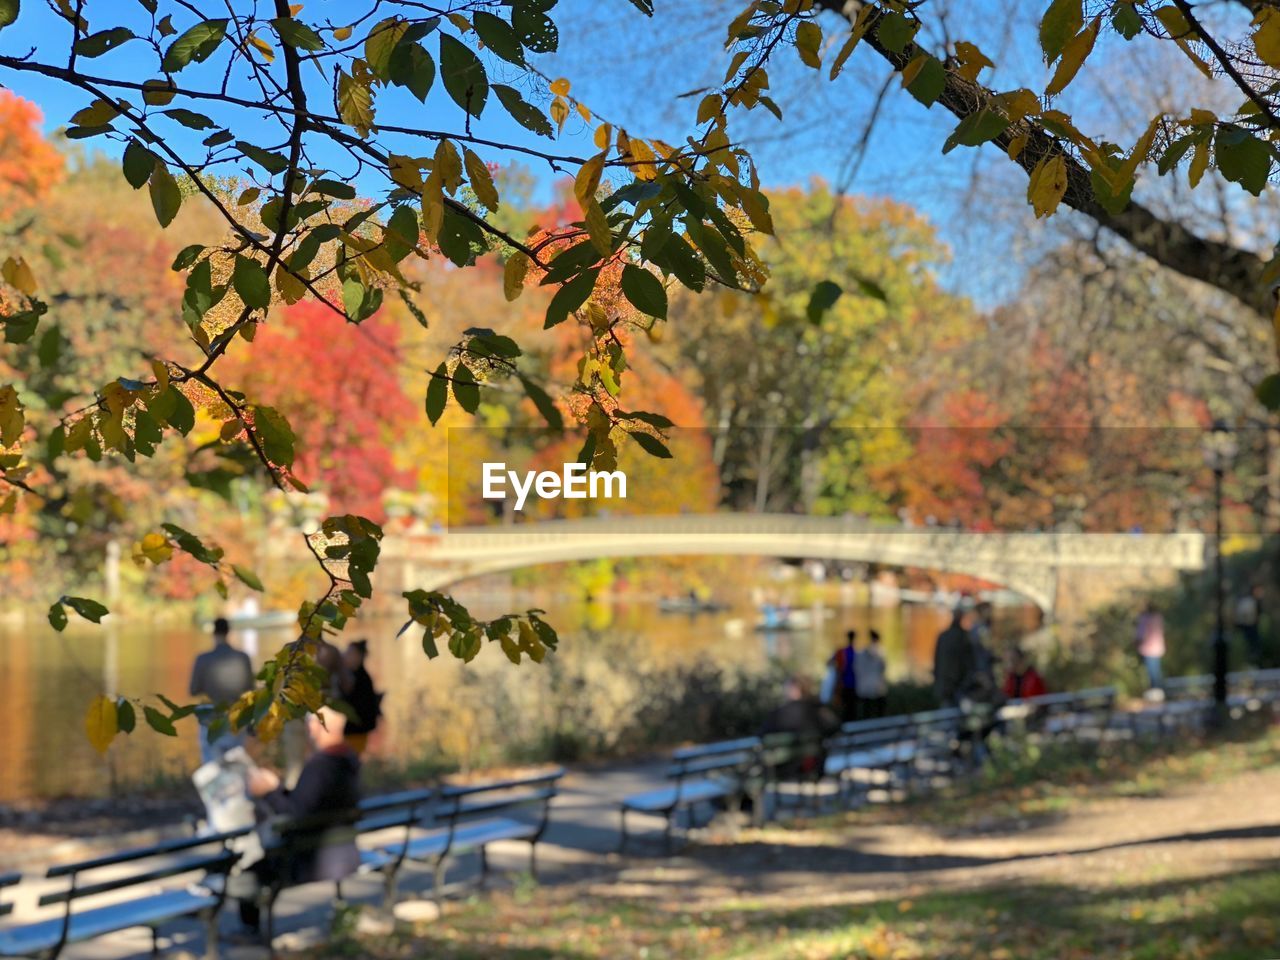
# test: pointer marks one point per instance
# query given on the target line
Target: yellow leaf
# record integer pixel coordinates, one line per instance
(1171, 19)
(155, 546)
(710, 107)
(1141, 149)
(1266, 39)
(860, 24)
(587, 182)
(481, 180)
(808, 43)
(972, 60)
(100, 722)
(405, 171)
(598, 227)
(460, 23)
(17, 274)
(641, 158)
(161, 371)
(355, 101)
(1073, 57)
(290, 288)
(513, 273)
(912, 69)
(269, 727)
(295, 9)
(1016, 146)
(432, 206)
(12, 420)
(1019, 103)
(559, 112)
(98, 112)
(583, 112)
(448, 165)
(604, 135)
(560, 87)
(262, 47)
(1199, 163)
(1048, 184)
(342, 33)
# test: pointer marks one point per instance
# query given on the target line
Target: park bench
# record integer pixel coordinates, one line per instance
(936, 736)
(1078, 715)
(129, 885)
(706, 773)
(8, 880)
(466, 818)
(862, 749)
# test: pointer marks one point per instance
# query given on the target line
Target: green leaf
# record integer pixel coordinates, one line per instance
(183, 416)
(1243, 158)
(872, 289)
(463, 75)
(523, 112)
(465, 389)
(1125, 20)
(823, 298)
(91, 610)
(196, 45)
(186, 257)
(21, 326)
(8, 12)
(437, 393)
(158, 722)
(429, 645)
(498, 36)
(546, 406)
(1062, 21)
(297, 34)
(644, 291)
(569, 298)
(190, 119)
(250, 281)
(1268, 391)
(57, 614)
(96, 44)
(536, 30)
(652, 445)
(138, 163)
(895, 31)
(126, 720)
(335, 189)
(247, 577)
(929, 82)
(271, 162)
(412, 68)
(49, 349)
(166, 198)
(275, 434)
(976, 129)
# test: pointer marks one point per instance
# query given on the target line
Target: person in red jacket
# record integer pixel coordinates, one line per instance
(1022, 680)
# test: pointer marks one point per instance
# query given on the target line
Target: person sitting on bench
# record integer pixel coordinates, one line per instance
(316, 839)
(810, 721)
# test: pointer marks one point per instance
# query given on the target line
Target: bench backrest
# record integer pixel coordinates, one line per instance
(205, 854)
(460, 803)
(899, 724)
(8, 880)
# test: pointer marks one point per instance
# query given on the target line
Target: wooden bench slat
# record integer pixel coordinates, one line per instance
(667, 798)
(208, 863)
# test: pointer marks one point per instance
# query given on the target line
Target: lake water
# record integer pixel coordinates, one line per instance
(626, 678)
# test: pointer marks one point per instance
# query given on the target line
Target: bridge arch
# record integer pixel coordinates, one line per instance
(1027, 563)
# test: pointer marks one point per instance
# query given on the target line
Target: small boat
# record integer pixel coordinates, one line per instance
(267, 620)
(690, 605)
(783, 619)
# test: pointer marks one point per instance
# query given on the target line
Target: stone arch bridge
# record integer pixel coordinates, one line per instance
(1031, 564)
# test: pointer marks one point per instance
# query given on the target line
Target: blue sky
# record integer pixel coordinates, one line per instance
(631, 70)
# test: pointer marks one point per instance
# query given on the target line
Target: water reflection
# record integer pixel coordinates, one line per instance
(611, 688)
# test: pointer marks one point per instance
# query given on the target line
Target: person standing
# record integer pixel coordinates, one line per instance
(364, 700)
(873, 689)
(1248, 614)
(840, 683)
(953, 658)
(1023, 680)
(1151, 648)
(221, 675)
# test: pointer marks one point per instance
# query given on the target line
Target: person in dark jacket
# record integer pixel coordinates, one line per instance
(953, 664)
(360, 695)
(313, 823)
(810, 721)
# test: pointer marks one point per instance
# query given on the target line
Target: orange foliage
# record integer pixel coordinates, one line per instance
(29, 164)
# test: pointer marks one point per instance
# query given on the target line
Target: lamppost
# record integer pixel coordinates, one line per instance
(1219, 451)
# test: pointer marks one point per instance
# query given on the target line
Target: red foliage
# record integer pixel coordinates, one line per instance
(336, 384)
(29, 164)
